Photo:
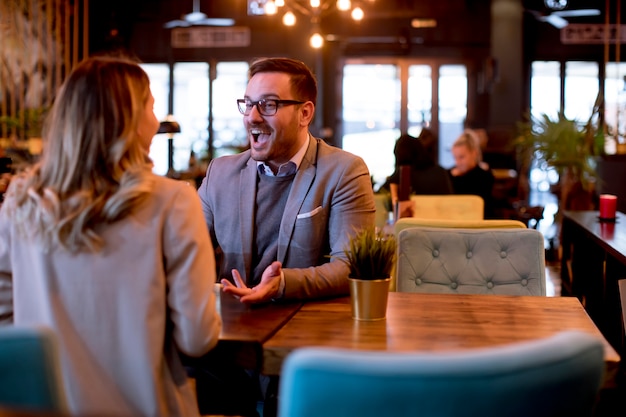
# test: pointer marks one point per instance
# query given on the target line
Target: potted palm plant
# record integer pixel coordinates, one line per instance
(370, 255)
(571, 148)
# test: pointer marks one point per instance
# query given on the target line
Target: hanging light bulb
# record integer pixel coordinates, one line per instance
(344, 5)
(289, 19)
(315, 3)
(357, 13)
(279, 3)
(316, 41)
(270, 8)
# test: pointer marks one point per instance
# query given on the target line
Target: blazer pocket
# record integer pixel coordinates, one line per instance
(310, 213)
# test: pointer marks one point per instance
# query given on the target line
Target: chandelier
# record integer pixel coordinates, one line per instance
(314, 10)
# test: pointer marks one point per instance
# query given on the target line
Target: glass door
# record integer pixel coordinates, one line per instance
(197, 88)
(371, 115)
(384, 97)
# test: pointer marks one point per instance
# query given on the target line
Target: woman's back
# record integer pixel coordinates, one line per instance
(430, 180)
(111, 308)
(426, 176)
(115, 260)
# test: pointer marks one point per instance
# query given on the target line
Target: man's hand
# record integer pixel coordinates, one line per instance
(264, 292)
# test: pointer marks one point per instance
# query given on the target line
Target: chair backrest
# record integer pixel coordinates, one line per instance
(448, 206)
(556, 376)
(471, 261)
(30, 375)
(408, 222)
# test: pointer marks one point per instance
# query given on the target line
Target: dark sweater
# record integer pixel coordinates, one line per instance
(476, 181)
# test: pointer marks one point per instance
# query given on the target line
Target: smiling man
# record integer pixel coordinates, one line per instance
(280, 213)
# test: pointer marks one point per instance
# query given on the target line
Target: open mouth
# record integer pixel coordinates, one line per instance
(259, 135)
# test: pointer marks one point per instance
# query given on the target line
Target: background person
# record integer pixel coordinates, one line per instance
(112, 257)
(427, 177)
(281, 212)
(470, 175)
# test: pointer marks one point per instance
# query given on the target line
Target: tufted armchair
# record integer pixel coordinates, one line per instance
(408, 222)
(471, 261)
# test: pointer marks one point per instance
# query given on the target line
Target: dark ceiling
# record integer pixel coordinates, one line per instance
(114, 23)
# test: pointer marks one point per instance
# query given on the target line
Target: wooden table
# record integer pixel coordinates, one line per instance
(432, 322)
(244, 330)
(593, 259)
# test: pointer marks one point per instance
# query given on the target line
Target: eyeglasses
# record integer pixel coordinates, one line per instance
(265, 106)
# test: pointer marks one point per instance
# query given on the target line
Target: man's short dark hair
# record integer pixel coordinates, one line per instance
(303, 82)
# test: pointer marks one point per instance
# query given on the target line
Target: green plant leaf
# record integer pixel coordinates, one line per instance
(370, 254)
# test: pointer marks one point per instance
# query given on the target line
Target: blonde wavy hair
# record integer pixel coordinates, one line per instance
(469, 138)
(93, 170)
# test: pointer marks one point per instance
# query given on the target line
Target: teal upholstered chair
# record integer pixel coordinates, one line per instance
(30, 376)
(471, 261)
(557, 376)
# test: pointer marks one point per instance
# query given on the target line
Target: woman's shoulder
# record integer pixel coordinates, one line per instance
(166, 189)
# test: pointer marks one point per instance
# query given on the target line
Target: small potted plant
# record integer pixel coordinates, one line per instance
(371, 256)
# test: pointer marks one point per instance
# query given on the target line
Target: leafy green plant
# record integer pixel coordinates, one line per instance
(564, 144)
(370, 254)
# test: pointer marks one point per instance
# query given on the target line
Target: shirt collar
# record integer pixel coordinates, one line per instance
(295, 160)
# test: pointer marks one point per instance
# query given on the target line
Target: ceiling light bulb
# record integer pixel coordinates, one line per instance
(315, 3)
(270, 8)
(279, 3)
(289, 19)
(357, 13)
(343, 5)
(316, 41)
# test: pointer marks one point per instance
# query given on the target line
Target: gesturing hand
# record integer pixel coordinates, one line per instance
(263, 292)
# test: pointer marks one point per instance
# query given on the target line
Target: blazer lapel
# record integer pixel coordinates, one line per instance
(299, 189)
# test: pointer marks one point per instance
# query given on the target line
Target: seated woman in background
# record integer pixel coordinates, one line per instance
(427, 177)
(113, 258)
(470, 175)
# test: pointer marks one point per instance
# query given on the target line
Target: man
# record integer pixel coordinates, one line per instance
(280, 213)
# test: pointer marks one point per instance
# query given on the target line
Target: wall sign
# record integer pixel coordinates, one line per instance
(210, 37)
(579, 33)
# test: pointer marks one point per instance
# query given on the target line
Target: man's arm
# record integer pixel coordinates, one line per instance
(351, 208)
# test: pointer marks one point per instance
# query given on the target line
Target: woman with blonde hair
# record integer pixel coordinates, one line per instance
(116, 260)
(469, 174)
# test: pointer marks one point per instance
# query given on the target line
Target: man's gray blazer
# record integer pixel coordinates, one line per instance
(330, 197)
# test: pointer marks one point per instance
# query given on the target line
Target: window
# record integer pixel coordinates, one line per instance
(615, 103)
(191, 100)
(159, 75)
(399, 97)
(581, 89)
(371, 115)
(229, 85)
(420, 98)
(452, 109)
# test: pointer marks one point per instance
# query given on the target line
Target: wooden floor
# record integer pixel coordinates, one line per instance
(553, 279)
(550, 230)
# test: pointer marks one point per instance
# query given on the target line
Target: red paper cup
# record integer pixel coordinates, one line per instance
(608, 206)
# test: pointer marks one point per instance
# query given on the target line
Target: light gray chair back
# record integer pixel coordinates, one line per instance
(471, 261)
(556, 376)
